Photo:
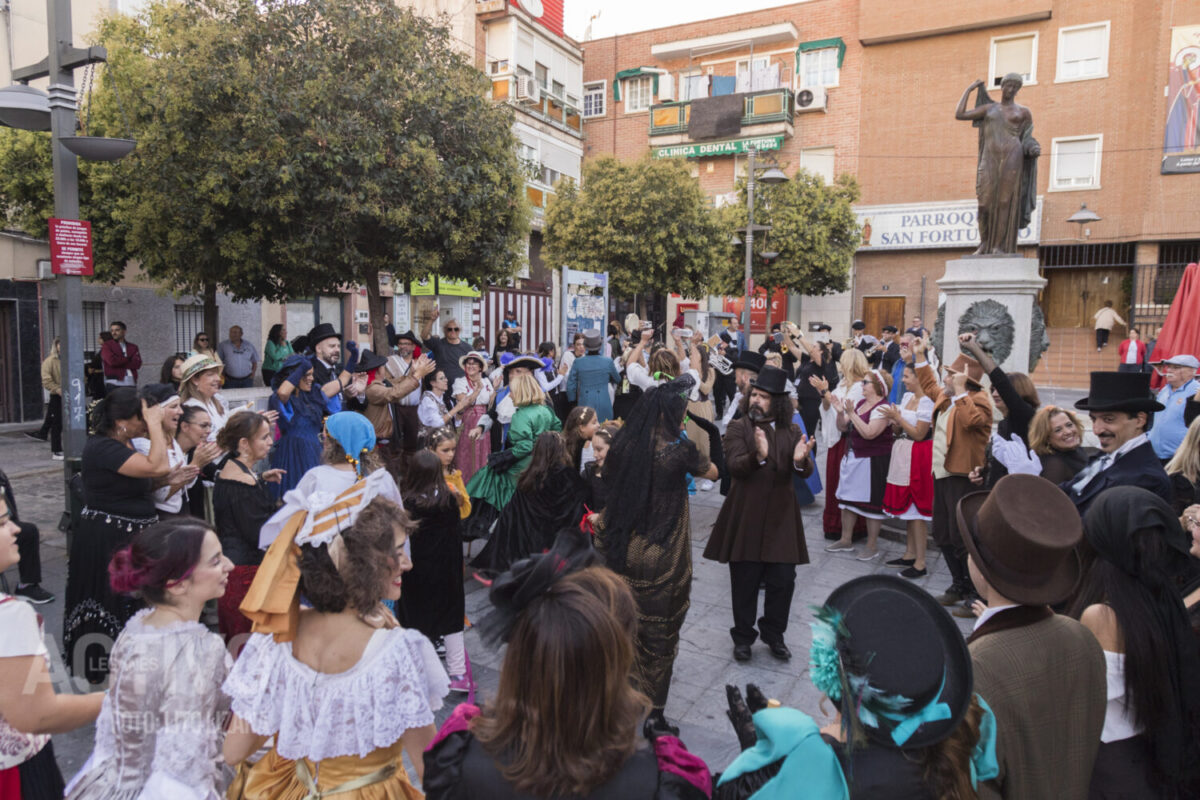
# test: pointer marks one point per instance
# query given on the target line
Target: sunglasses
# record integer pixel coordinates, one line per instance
(453, 330)
(202, 339)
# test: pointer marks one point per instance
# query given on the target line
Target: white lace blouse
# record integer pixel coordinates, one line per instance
(160, 730)
(20, 635)
(396, 685)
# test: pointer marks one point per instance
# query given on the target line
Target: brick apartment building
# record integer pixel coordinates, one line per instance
(793, 75)
(1096, 79)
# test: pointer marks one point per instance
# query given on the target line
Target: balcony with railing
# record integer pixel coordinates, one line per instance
(539, 195)
(524, 93)
(765, 112)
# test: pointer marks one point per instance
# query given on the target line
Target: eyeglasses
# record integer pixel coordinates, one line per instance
(453, 330)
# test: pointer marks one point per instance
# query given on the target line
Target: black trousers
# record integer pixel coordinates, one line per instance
(29, 541)
(52, 425)
(946, 494)
(745, 577)
(1102, 337)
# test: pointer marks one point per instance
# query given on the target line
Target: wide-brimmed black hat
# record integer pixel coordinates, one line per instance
(322, 332)
(409, 335)
(912, 655)
(748, 359)
(1120, 391)
(1022, 535)
(368, 361)
(530, 362)
(771, 380)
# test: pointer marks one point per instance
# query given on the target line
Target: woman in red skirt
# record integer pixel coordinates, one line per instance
(909, 493)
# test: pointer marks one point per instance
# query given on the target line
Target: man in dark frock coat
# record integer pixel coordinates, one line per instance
(759, 532)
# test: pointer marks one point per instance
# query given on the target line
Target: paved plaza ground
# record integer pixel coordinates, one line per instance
(705, 663)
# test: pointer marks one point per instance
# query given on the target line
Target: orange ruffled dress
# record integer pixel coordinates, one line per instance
(335, 734)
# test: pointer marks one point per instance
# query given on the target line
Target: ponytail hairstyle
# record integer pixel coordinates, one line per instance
(242, 425)
(120, 403)
(159, 557)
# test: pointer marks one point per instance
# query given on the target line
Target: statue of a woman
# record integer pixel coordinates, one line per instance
(1006, 178)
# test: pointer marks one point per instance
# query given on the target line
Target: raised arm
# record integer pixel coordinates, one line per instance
(975, 113)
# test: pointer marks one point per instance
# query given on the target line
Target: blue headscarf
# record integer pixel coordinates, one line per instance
(354, 433)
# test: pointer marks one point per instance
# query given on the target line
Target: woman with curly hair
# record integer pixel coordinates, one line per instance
(343, 689)
(645, 537)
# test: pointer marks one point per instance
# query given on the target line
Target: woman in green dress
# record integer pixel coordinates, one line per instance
(275, 352)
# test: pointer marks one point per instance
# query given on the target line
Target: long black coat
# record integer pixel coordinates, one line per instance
(760, 519)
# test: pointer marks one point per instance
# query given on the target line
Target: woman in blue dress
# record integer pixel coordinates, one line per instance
(301, 409)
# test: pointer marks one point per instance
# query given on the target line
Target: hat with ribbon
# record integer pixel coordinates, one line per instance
(272, 602)
(893, 660)
(197, 364)
(354, 433)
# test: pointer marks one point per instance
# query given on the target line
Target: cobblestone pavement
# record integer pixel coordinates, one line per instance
(704, 665)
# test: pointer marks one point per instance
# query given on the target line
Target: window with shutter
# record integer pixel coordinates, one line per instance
(1075, 163)
(1083, 52)
(1014, 54)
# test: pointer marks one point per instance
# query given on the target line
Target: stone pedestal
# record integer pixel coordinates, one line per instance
(1010, 325)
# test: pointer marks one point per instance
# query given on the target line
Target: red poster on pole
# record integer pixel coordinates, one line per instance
(758, 308)
(70, 247)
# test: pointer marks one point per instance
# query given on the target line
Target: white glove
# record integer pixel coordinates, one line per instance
(1015, 457)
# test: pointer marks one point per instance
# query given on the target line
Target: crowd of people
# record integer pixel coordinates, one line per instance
(270, 602)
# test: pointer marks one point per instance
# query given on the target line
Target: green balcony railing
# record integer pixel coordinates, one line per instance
(549, 107)
(761, 107)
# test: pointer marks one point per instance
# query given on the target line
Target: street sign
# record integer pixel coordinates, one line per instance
(70, 247)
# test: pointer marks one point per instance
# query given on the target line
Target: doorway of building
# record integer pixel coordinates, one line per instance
(1073, 296)
(880, 311)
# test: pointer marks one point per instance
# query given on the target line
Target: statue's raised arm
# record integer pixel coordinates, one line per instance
(1006, 176)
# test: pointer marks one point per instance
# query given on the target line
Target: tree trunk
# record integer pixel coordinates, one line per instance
(379, 342)
(211, 320)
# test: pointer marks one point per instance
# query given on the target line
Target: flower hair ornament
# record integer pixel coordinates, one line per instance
(530, 578)
(272, 602)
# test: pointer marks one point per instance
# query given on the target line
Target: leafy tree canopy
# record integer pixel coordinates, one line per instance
(647, 223)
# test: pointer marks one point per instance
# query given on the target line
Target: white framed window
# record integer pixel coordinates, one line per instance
(819, 161)
(557, 89)
(1075, 163)
(594, 94)
(1016, 53)
(1083, 52)
(639, 93)
(819, 68)
(693, 84)
(543, 75)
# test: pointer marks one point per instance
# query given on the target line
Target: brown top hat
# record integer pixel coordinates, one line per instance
(973, 369)
(1022, 535)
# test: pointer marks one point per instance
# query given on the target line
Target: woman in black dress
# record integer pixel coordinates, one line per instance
(645, 537)
(118, 502)
(242, 502)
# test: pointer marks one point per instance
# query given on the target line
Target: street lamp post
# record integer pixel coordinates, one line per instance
(773, 175)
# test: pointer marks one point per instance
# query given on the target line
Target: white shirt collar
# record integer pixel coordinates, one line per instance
(991, 612)
(1136, 441)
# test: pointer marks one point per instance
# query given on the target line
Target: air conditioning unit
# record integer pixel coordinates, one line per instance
(44, 272)
(527, 88)
(811, 99)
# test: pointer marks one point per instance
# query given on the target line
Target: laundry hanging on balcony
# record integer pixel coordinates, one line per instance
(723, 84)
(713, 117)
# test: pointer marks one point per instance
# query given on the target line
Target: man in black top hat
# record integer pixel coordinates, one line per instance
(326, 345)
(745, 369)
(1122, 410)
(759, 532)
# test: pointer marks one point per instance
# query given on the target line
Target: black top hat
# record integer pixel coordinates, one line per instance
(368, 361)
(409, 335)
(1022, 535)
(771, 380)
(1120, 391)
(907, 646)
(748, 359)
(322, 332)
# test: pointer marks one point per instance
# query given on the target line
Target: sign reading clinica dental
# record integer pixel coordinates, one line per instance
(921, 226)
(708, 149)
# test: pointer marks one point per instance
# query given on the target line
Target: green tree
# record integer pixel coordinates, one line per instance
(647, 223)
(813, 229)
(286, 149)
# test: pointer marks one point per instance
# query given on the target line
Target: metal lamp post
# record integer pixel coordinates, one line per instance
(22, 107)
(773, 175)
